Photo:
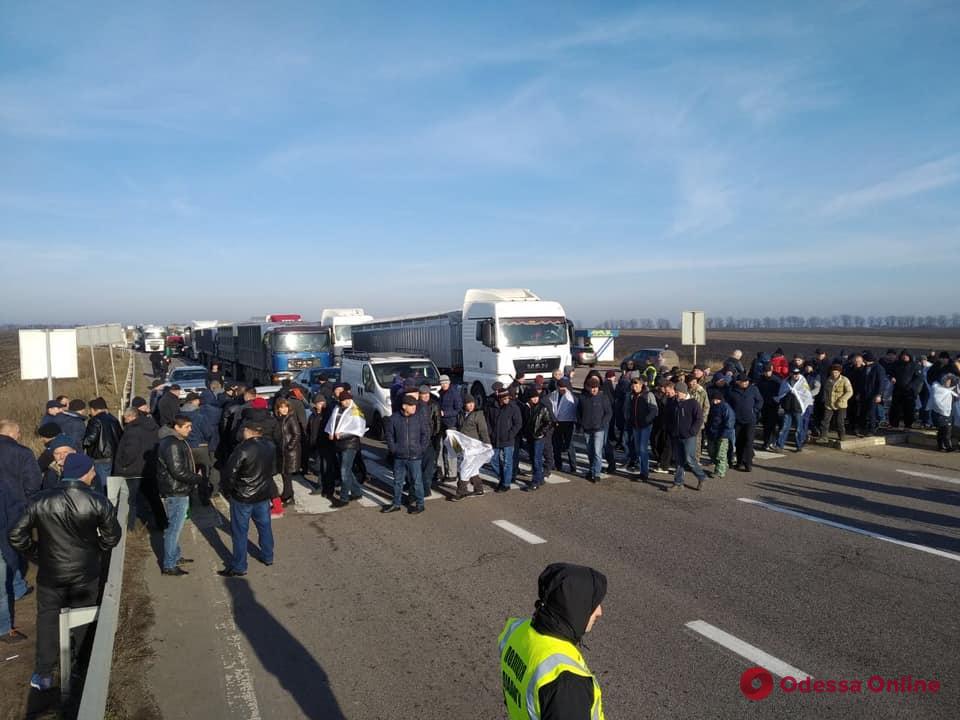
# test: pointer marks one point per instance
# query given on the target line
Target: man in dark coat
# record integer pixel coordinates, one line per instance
(101, 439)
(504, 421)
(407, 439)
(430, 412)
(769, 388)
(74, 527)
(907, 378)
(451, 408)
(593, 416)
(684, 423)
(747, 403)
(871, 396)
(168, 406)
(73, 422)
(136, 460)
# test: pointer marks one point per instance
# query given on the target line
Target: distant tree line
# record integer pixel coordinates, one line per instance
(796, 322)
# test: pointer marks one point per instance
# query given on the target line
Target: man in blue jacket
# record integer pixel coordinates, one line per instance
(202, 440)
(746, 402)
(407, 435)
(593, 416)
(505, 422)
(720, 431)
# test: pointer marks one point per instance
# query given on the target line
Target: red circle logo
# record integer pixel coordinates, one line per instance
(756, 683)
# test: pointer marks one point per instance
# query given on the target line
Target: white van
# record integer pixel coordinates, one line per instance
(370, 376)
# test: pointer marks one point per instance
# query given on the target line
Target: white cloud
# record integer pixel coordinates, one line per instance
(913, 181)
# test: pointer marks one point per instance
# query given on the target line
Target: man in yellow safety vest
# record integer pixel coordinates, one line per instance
(543, 674)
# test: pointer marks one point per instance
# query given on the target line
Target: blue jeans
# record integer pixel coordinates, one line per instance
(20, 586)
(6, 597)
(502, 464)
(176, 508)
(640, 448)
(536, 447)
(596, 441)
(102, 469)
(240, 515)
(685, 452)
(417, 480)
(349, 487)
(792, 420)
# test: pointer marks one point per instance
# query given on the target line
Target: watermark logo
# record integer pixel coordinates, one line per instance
(756, 683)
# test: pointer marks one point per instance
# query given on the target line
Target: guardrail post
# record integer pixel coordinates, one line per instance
(71, 618)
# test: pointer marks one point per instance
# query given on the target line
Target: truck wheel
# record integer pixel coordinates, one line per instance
(376, 427)
(479, 393)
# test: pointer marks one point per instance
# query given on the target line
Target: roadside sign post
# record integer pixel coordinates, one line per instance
(113, 369)
(96, 383)
(692, 330)
(48, 354)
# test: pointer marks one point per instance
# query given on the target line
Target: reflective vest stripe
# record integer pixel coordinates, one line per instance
(549, 664)
(509, 631)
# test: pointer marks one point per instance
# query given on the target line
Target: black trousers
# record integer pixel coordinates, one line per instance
(770, 416)
(49, 602)
(549, 462)
(903, 407)
(561, 446)
(828, 415)
(745, 434)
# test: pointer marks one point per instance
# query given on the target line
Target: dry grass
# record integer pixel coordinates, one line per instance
(23, 400)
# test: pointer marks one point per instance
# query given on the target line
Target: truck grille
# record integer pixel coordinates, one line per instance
(301, 363)
(535, 367)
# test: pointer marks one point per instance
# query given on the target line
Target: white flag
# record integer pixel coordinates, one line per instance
(347, 422)
(473, 453)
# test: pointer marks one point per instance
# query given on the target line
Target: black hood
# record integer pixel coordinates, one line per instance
(568, 595)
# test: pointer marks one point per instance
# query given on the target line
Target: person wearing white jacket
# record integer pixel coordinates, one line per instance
(943, 396)
(564, 405)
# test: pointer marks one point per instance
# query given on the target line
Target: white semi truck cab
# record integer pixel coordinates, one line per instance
(509, 331)
(342, 320)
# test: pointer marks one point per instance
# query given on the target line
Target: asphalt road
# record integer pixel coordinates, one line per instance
(368, 616)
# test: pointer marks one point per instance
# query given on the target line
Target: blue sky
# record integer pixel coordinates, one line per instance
(178, 161)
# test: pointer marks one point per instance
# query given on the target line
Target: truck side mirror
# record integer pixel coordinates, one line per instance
(486, 334)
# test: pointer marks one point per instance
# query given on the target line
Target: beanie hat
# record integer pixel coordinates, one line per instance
(52, 404)
(593, 382)
(611, 373)
(48, 430)
(837, 366)
(715, 394)
(743, 378)
(346, 395)
(407, 400)
(138, 402)
(424, 389)
(58, 442)
(76, 466)
(259, 403)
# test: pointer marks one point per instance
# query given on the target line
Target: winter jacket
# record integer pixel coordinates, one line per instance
(201, 433)
(504, 422)
(814, 383)
(721, 422)
(451, 405)
(19, 470)
(537, 421)
(641, 410)
(684, 418)
(407, 436)
(564, 406)
(74, 427)
(734, 365)
(247, 476)
(263, 418)
(837, 393)
(102, 436)
(769, 389)
(594, 412)
(291, 444)
(317, 437)
(10, 511)
(701, 396)
(745, 403)
(474, 425)
(176, 472)
(908, 377)
(168, 407)
(874, 381)
(74, 525)
(136, 453)
(430, 412)
(568, 596)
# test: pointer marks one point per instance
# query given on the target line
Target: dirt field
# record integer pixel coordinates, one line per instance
(720, 343)
(23, 401)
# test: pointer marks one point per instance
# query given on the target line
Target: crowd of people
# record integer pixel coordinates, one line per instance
(175, 448)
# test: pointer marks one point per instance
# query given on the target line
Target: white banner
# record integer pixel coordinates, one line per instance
(349, 422)
(474, 454)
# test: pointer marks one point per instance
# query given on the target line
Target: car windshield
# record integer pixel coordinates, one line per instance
(188, 376)
(526, 332)
(301, 341)
(343, 333)
(333, 375)
(421, 372)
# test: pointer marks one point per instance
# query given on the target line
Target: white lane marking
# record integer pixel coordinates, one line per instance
(851, 528)
(930, 476)
(519, 532)
(746, 650)
(241, 695)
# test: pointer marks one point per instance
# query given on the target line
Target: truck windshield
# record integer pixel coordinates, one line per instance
(343, 333)
(301, 341)
(421, 372)
(526, 332)
(157, 334)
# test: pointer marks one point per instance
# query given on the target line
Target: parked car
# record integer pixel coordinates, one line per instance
(584, 355)
(308, 378)
(662, 357)
(190, 378)
(371, 375)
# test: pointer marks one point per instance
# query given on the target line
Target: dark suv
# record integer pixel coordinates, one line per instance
(662, 357)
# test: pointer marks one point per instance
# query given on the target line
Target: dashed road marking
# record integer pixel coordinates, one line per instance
(524, 535)
(746, 650)
(853, 529)
(929, 476)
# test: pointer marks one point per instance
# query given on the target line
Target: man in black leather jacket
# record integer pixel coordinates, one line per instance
(247, 482)
(176, 477)
(100, 440)
(75, 526)
(538, 420)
